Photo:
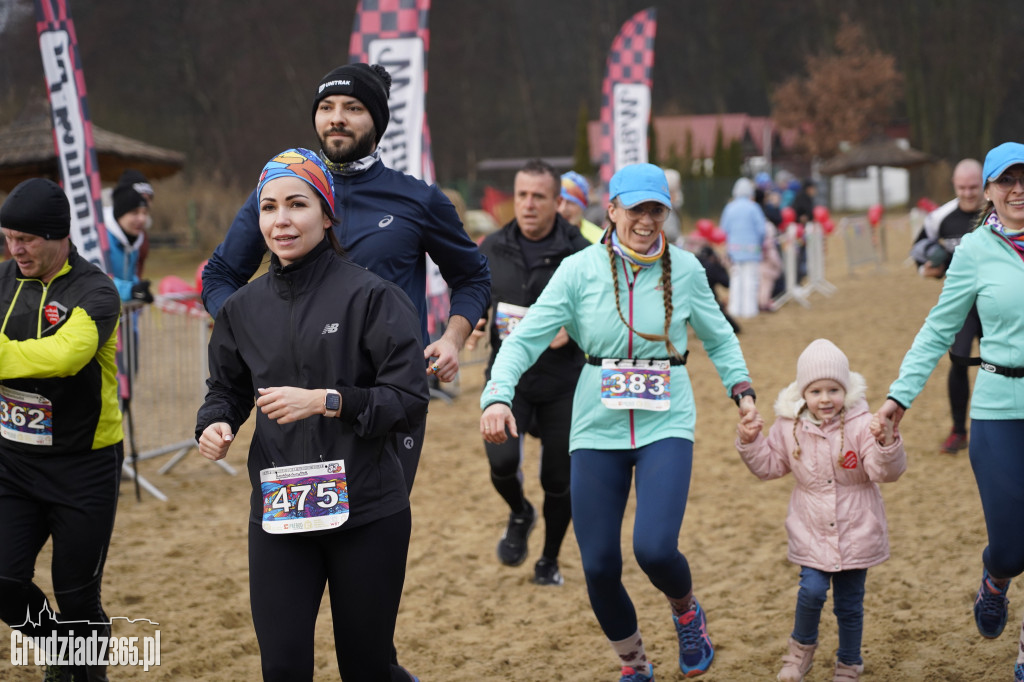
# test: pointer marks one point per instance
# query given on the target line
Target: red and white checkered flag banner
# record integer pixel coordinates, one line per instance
(394, 34)
(72, 128)
(626, 95)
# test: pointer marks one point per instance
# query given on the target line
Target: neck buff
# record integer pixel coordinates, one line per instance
(352, 167)
(1015, 238)
(638, 260)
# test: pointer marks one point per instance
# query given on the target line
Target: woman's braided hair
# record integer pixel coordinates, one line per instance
(666, 293)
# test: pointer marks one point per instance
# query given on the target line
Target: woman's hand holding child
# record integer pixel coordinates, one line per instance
(750, 426)
(883, 429)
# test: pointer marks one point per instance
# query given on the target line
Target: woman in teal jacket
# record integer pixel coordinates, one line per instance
(633, 408)
(987, 270)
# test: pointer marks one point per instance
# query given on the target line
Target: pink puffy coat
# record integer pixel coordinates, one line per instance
(836, 518)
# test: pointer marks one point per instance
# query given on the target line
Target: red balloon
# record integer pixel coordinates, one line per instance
(704, 227)
(821, 214)
(926, 204)
(172, 284)
(199, 275)
(788, 216)
(717, 235)
(875, 214)
(828, 226)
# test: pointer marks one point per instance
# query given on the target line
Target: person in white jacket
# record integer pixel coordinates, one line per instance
(824, 435)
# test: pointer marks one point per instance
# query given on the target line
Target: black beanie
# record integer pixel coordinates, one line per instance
(126, 199)
(371, 85)
(136, 180)
(37, 206)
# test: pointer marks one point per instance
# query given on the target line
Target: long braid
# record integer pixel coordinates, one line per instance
(842, 433)
(666, 295)
(796, 423)
(666, 274)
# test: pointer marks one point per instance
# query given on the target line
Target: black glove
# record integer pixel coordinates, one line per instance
(140, 292)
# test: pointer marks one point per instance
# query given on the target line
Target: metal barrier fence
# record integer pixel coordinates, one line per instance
(164, 346)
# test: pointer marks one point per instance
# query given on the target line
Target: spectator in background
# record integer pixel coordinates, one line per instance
(743, 222)
(138, 182)
(673, 227)
(573, 201)
(943, 229)
(126, 222)
(771, 282)
(804, 202)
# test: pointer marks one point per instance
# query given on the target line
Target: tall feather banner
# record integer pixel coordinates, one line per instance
(394, 34)
(626, 94)
(72, 127)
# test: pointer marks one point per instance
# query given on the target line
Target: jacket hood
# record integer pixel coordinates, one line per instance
(791, 399)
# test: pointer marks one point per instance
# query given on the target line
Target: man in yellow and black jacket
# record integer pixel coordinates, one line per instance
(60, 426)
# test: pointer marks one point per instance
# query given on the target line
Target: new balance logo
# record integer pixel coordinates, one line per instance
(330, 328)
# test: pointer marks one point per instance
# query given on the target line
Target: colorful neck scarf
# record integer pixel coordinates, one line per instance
(638, 260)
(1014, 237)
(352, 167)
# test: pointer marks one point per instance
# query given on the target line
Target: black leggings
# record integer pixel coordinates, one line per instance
(363, 569)
(553, 419)
(73, 499)
(958, 384)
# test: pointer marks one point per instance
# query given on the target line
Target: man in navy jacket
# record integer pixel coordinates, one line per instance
(388, 222)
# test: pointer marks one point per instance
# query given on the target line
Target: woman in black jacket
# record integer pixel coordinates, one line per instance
(331, 355)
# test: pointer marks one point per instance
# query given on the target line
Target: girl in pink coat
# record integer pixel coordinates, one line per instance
(836, 525)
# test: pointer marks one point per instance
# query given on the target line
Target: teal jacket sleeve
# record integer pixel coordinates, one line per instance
(550, 312)
(959, 292)
(715, 332)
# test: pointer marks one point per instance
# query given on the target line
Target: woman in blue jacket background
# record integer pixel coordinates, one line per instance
(987, 270)
(627, 303)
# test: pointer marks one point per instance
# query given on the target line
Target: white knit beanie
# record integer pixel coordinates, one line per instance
(822, 359)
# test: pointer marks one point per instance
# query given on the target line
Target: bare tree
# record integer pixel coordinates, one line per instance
(845, 97)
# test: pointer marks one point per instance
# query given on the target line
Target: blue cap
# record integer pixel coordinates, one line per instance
(1002, 157)
(640, 182)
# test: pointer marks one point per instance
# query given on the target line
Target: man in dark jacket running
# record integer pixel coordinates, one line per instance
(523, 255)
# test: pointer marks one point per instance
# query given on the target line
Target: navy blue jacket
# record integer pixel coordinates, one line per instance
(389, 221)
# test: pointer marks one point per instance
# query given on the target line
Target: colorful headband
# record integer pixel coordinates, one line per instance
(303, 164)
(575, 188)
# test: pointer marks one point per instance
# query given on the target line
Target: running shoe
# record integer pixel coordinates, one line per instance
(991, 607)
(695, 649)
(513, 546)
(545, 572)
(633, 675)
(954, 443)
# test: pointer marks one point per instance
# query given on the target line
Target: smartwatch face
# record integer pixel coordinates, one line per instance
(333, 401)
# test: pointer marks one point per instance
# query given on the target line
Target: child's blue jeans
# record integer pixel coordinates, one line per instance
(847, 604)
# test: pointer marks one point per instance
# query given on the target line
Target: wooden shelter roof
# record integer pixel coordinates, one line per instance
(27, 150)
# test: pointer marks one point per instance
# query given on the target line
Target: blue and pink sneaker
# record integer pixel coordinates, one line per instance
(633, 675)
(991, 607)
(695, 649)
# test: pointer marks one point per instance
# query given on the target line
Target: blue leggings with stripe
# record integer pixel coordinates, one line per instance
(600, 488)
(997, 457)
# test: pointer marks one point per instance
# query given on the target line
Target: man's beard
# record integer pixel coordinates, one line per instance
(363, 147)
